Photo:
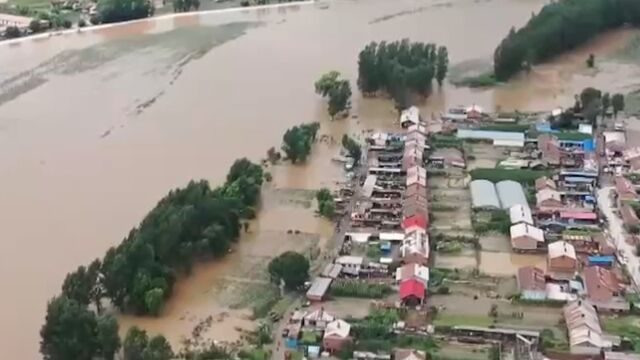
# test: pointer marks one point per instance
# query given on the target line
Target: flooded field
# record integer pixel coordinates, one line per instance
(507, 264)
(96, 126)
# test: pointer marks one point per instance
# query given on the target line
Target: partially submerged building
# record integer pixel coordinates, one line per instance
(604, 289)
(526, 237)
(531, 283)
(562, 257)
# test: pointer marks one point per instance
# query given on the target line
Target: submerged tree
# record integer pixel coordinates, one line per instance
(337, 90)
(110, 11)
(352, 147)
(297, 141)
(442, 64)
(290, 267)
(617, 101)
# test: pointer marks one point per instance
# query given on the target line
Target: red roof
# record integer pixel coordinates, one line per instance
(415, 220)
(411, 287)
(579, 215)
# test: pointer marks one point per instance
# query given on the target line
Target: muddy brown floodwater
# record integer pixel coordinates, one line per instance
(96, 126)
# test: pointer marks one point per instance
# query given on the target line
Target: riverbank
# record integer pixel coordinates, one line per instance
(96, 28)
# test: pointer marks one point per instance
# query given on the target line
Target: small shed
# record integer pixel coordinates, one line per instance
(319, 288)
(600, 260)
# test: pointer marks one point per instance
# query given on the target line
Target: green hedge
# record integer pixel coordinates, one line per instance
(360, 289)
(522, 176)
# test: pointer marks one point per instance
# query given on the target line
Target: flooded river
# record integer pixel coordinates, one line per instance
(96, 126)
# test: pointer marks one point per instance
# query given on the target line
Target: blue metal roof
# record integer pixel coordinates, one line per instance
(600, 258)
(579, 173)
(579, 179)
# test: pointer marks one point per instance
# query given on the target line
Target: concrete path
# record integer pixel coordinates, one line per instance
(626, 252)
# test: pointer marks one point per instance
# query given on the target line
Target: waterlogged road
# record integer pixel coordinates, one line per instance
(96, 126)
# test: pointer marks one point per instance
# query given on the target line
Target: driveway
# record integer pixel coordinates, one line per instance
(617, 232)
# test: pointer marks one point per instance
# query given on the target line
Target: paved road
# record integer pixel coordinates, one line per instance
(617, 232)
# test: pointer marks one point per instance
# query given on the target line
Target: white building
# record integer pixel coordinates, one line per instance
(409, 117)
(350, 264)
(583, 326)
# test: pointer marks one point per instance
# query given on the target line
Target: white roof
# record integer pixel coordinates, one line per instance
(369, 184)
(475, 108)
(411, 114)
(523, 229)
(419, 271)
(555, 292)
(585, 129)
(338, 328)
(509, 143)
(350, 260)
(319, 286)
(561, 248)
(632, 153)
(319, 315)
(391, 236)
(415, 242)
(510, 193)
(483, 194)
(614, 136)
(520, 214)
(415, 179)
(547, 193)
(359, 237)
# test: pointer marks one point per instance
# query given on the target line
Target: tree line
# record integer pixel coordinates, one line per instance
(558, 27)
(191, 223)
(400, 67)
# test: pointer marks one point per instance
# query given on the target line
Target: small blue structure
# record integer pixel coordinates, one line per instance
(291, 343)
(385, 246)
(600, 260)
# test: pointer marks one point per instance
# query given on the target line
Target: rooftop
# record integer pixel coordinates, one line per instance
(484, 195)
(523, 229)
(531, 278)
(561, 248)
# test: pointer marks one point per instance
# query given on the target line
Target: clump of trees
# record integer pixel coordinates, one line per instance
(72, 331)
(337, 90)
(185, 5)
(191, 223)
(297, 141)
(110, 11)
(326, 205)
(400, 67)
(138, 346)
(291, 268)
(617, 101)
(560, 26)
(352, 147)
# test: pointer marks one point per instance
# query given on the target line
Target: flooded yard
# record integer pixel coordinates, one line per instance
(507, 264)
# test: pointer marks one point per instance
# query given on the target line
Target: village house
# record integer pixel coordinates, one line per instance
(526, 237)
(583, 326)
(317, 319)
(351, 265)
(412, 292)
(336, 336)
(604, 290)
(548, 198)
(520, 214)
(409, 117)
(550, 151)
(531, 283)
(447, 157)
(415, 247)
(562, 257)
(409, 354)
(413, 271)
(625, 190)
(414, 222)
(545, 183)
(632, 159)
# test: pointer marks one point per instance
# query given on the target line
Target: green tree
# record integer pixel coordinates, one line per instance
(442, 64)
(326, 205)
(617, 101)
(338, 90)
(110, 11)
(69, 331)
(83, 286)
(135, 344)
(588, 96)
(290, 267)
(154, 300)
(107, 337)
(494, 352)
(352, 147)
(158, 348)
(12, 32)
(297, 141)
(34, 26)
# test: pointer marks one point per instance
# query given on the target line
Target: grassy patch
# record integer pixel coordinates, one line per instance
(477, 81)
(450, 319)
(572, 136)
(622, 325)
(505, 127)
(263, 304)
(359, 289)
(522, 176)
